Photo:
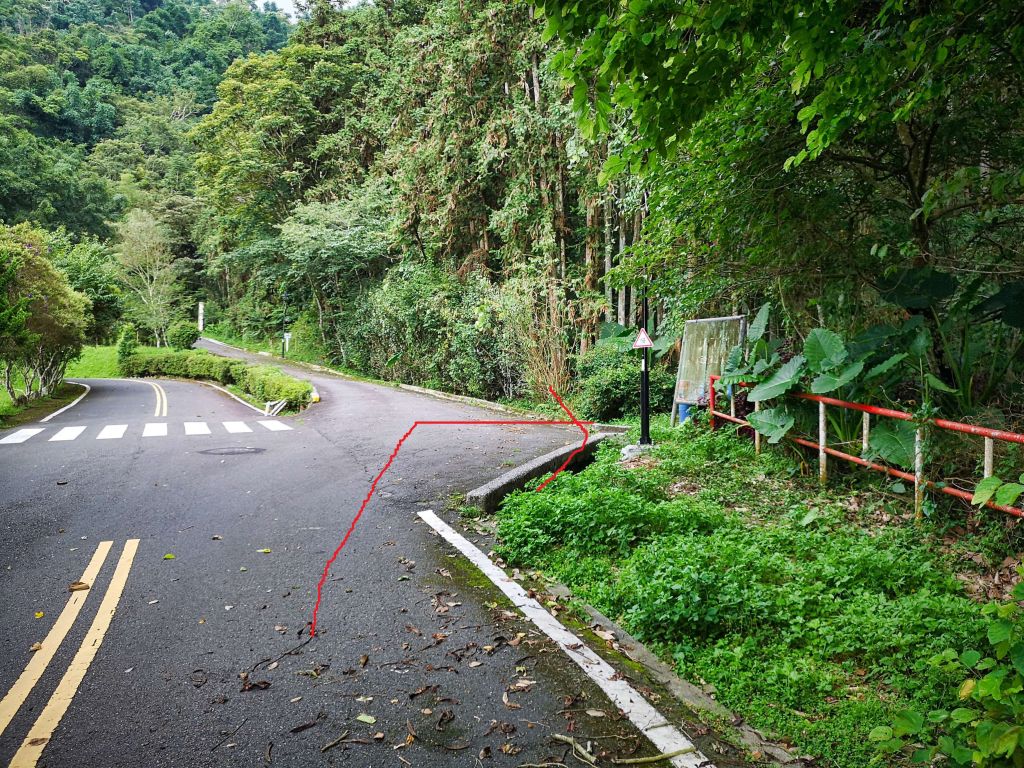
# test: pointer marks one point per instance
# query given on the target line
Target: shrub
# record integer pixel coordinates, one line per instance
(265, 383)
(610, 384)
(183, 334)
(202, 365)
(127, 342)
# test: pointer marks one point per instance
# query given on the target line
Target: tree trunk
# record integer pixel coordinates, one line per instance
(623, 291)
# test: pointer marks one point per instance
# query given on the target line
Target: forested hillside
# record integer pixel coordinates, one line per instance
(97, 167)
(443, 192)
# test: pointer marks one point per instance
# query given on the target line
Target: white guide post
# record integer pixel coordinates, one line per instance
(918, 472)
(822, 441)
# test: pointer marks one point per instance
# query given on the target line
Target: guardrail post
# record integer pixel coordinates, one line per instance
(865, 440)
(822, 439)
(918, 473)
(757, 435)
(989, 456)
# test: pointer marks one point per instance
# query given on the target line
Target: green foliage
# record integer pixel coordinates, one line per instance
(773, 423)
(810, 620)
(127, 343)
(263, 382)
(994, 489)
(267, 384)
(183, 334)
(609, 384)
(986, 728)
(38, 346)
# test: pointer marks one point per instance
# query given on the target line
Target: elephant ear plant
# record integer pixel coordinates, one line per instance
(876, 362)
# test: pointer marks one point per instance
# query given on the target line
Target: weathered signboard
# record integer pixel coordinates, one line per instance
(705, 348)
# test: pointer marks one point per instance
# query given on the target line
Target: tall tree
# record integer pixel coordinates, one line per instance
(147, 271)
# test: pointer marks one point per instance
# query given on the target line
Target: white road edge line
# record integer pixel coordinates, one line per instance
(665, 736)
(72, 404)
(235, 397)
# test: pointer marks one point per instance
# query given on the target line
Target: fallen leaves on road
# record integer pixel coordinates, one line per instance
(263, 551)
(447, 716)
(253, 685)
(77, 586)
(365, 718)
(39, 614)
(36, 647)
(169, 556)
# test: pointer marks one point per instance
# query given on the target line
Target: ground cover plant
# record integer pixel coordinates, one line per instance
(816, 614)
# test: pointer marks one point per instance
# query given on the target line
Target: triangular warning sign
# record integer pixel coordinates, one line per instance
(643, 341)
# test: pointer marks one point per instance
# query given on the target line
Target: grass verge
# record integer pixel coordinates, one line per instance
(814, 614)
(13, 416)
(95, 363)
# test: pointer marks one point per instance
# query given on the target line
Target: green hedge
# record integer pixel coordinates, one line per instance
(263, 382)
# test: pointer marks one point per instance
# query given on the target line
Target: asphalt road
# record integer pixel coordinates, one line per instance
(195, 669)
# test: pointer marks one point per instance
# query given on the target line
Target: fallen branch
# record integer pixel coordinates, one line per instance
(334, 743)
(214, 747)
(654, 758)
(576, 746)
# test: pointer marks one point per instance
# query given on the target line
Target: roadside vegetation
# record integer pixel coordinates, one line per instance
(258, 383)
(816, 614)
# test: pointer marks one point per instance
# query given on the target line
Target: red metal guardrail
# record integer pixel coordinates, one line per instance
(916, 477)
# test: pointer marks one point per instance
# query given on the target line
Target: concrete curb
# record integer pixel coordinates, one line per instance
(489, 495)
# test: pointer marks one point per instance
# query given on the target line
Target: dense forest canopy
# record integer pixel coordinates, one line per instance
(475, 195)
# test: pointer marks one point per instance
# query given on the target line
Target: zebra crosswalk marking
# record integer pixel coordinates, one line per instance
(67, 433)
(155, 429)
(112, 432)
(275, 426)
(20, 436)
(150, 429)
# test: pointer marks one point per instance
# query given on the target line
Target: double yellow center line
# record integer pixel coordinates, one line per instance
(32, 747)
(161, 400)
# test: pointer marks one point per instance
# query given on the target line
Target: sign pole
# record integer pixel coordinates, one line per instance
(284, 324)
(645, 381)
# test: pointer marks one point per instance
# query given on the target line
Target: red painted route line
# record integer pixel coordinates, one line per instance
(394, 454)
